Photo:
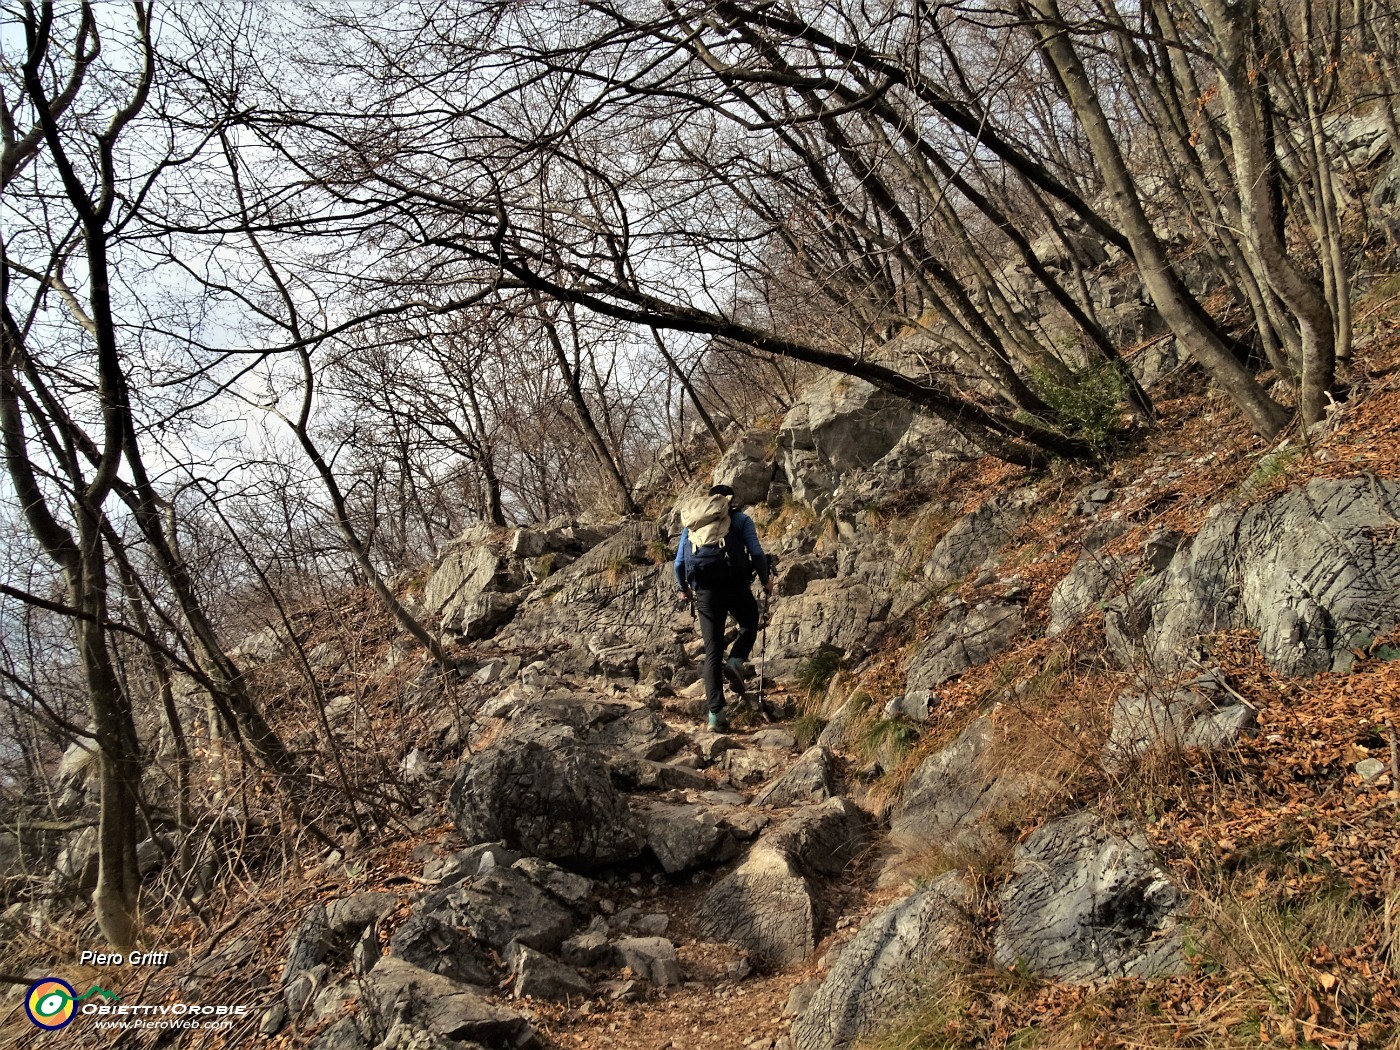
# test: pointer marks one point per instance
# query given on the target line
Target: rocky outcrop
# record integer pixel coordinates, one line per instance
(1202, 714)
(1314, 570)
(503, 905)
(960, 800)
(1084, 902)
(747, 467)
(964, 637)
(895, 951)
(1094, 577)
(556, 802)
(768, 906)
(829, 615)
(810, 779)
(622, 590)
(467, 590)
(840, 425)
(395, 992)
(975, 537)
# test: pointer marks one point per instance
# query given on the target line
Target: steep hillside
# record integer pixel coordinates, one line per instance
(1062, 758)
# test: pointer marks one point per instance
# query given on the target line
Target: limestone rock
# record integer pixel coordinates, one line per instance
(501, 906)
(1093, 578)
(828, 615)
(396, 991)
(963, 637)
(958, 799)
(809, 779)
(746, 468)
(1315, 570)
(537, 976)
(767, 906)
(567, 888)
(343, 1035)
(1199, 715)
(905, 943)
(1083, 903)
(681, 837)
(471, 569)
(553, 802)
(839, 426)
(428, 942)
(976, 536)
(652, 958)
(640, 734)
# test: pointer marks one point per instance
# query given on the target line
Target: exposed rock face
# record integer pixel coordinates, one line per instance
(958, 799)
(1084, 903)
(746, 468)
(767, 906)
(962, 638)
(1095, 576)
(554, 802)
(640, 734)
(1201, 715)
(1315, 570)
(975, 537)
(622, 588)
(829, 614)
(395, 992)
(840, 425)
(471, 569)
(895, 948)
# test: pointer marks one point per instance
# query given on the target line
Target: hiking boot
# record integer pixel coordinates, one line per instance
(734, 672)
(719, 721)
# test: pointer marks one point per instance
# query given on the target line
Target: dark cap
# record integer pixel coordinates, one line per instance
(721, 490)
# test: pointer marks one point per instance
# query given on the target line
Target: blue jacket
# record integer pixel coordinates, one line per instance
(737, 520)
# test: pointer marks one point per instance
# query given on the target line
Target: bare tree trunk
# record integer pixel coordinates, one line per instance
(1266, 415)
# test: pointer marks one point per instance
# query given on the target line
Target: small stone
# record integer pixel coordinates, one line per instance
(1369, 769)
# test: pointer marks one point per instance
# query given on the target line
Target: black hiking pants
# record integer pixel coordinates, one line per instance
(713, 606)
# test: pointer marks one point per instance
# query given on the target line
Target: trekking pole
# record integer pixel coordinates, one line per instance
(763, 651)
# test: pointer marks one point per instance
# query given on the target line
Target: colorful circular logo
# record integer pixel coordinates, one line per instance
(50, 1003)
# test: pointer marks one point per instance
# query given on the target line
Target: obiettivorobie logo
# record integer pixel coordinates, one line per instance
(51, 1003)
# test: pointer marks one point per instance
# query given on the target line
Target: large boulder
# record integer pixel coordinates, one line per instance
(747, 467)
(1315, 570)
(622, 590)
(810, 779)
(503, 905)
(555, 802)
(1084, 902)
(456, 592)
(768, 905)
(827, 615)
(396, 992)
(683, 837)
(895, 950)
(840, 425)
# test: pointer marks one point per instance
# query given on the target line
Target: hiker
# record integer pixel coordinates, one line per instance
(715, 565)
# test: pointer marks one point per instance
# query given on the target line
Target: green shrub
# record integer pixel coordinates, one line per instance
(1087, 407)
